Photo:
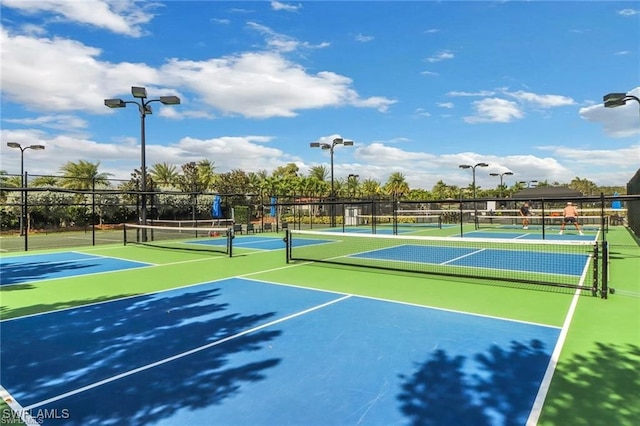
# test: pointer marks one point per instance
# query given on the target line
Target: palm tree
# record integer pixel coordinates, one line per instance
(164, 174)
(319, 172)
(83, 175)
(371, 188)
(45, 181)
(206, 174)
(396, 185)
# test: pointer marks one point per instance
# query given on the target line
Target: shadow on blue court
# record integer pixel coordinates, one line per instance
(245, 352)
(29, 268)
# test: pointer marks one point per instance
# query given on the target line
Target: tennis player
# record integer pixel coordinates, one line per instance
(525, 212)
(570, 214)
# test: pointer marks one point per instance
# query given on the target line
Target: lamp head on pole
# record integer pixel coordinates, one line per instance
(465, 166)
(508, 173)
(338, 141)
(348, 143)
(14, 145)
(115, 103)
(36, 147)
(139, 92)
(170, 100)
(613, 100)
(314, 144)
(481, 165)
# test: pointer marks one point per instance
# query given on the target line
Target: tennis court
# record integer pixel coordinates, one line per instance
(152, 335)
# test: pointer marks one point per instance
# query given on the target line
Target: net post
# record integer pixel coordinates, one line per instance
(543, 219)
(287, 241)
(124, 230)
(230, 237)
(603, 225)
(596, 270)
(605, 270)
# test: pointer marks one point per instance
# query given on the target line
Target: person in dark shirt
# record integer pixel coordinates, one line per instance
(525, 212)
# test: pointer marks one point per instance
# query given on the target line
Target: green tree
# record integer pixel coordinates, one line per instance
(164, 174)
(396, 185)
(371, 188)
(584, 185)
(45, 181)
(319, 172)
(82, 175)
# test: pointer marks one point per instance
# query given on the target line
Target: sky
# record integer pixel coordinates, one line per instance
(421, 87)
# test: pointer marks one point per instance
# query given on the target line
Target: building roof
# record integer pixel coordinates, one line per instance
(547, 192)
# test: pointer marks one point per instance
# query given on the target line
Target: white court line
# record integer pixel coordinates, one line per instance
(181, 355)
(538, 403)
(463, 256)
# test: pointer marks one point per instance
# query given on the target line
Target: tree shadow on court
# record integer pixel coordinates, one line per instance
(78, 348)
(502, 392)
(14, 274)
(599, 387)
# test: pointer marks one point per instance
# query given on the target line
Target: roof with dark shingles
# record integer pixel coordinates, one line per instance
(548, 192)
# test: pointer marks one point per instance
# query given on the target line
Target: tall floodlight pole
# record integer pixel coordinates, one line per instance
(473, 170)
(23, 207)
(614, 100)
(144, 109)
(501, 179)
(331, 147)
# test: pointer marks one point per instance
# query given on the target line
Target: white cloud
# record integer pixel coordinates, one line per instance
(59, 122)
(542, 101)
(363, 38)
(59, 75)
(122, 17)
(448, 105)
(494, 110)
(263, 84)
(283, 43)
(472, 94)
(628, 12)
(441, 56)
(429, 73)
(276, 5)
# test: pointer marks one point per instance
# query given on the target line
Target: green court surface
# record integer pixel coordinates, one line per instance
(596, 380)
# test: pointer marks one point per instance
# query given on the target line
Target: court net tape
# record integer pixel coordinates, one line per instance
(573, 264)
(212, 239)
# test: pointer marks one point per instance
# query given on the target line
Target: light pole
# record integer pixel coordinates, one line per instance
(144, 109)
(473, 170)
(613, 100)
(331, 147)
(23, 207)
(501, 177)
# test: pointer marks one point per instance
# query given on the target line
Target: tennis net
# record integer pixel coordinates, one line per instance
(537, 222)
(212, 239)
(561, 263)
(401, 220)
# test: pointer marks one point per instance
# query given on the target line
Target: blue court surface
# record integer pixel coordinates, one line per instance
(507, 260)
(29, 268)
(259, 243)
(246, 352)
